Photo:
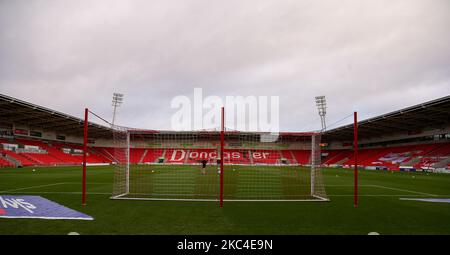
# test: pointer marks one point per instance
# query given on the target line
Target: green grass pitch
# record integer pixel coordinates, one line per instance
(380, 209)
(240, 182)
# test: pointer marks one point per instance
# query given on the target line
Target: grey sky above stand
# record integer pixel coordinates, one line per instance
(369, 56)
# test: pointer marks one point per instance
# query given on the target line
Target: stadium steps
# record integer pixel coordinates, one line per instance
(33, 160)
(13, 161)
(341, 162)
(340, 155)
(23, 161)
(432, 156)
(107, 154)
(438, 157)
(293, 157)
(143, 156)
(412, 162)
(443, 163)
(136, 154)
(286, 154)
(5, 161)
(151, 156)
(97, 156)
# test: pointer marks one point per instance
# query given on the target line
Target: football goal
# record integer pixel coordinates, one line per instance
(216, 165)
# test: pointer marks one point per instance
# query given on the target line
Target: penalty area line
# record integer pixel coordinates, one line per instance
(32, 187)
(405, 190)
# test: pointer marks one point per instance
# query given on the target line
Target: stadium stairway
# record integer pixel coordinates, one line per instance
(338, 158)
(438, 156)
(11, 161)
(40, 159)
(23, 160)
(107, 153)
(152, 156)
(289, 156)
(136, 155)
(4, 162)
(143, 156)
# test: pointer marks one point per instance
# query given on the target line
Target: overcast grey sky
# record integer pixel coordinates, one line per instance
(370, 56)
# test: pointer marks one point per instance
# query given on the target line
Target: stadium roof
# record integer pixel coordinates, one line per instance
(432, 114)
(16, 111)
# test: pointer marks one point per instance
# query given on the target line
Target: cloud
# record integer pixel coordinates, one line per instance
(370, 56)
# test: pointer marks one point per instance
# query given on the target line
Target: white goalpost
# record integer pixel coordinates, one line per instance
(168, 165)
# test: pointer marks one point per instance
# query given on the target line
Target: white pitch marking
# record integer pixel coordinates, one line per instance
(90, 182)
(401, 195)
(330, 195)
(32, 187)
(405, 190)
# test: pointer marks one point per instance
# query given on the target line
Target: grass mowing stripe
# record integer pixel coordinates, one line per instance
(379, 210)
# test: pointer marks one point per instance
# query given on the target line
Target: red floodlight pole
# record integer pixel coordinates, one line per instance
(83, 196)
(222, 144)
(355, 151)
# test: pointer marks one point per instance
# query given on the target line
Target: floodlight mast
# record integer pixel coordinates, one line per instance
(116, 102)
(321, 104)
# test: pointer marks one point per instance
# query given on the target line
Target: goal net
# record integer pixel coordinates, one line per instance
(169, 165)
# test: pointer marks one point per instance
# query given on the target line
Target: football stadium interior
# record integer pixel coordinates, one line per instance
(402, 155)
(415, 138)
